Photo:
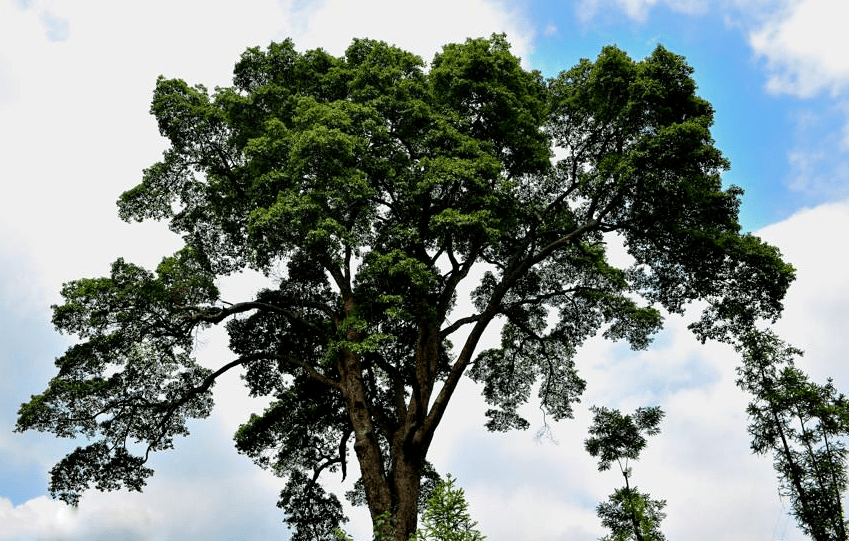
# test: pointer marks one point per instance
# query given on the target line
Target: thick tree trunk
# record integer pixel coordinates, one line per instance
(366, 445)
(396, 491)
(406, 484)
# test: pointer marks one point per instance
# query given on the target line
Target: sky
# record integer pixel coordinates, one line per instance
(76, 78)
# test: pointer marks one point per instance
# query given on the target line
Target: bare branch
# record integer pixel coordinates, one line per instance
(457, 324)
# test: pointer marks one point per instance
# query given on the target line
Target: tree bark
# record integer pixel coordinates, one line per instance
(406, 484)
(366, 445)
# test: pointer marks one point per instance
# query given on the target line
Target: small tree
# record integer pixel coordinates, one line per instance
(628, 513)
(446, 517)
(802, 424)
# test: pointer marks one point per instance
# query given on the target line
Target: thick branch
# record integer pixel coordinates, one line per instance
(459, 323)
(216, 314)
(516, 268)
(311, 372)
(562, 241)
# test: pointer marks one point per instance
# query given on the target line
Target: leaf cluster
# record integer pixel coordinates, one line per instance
(614, 436)
(133, 381)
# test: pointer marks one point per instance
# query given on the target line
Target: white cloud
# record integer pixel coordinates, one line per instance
(815, 309)
(818, 165)
(42, 519)
(802, 41)
(55, 28)
(421, 27)
(201, 490)
(804, 44)
(76, 126)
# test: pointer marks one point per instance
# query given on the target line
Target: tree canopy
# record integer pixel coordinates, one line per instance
(369, 189)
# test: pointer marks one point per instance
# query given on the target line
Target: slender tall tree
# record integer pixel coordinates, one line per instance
(804, 426)
(369, 189)
(628, 513)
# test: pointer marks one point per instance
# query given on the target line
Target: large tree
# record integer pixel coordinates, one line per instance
(369, 189)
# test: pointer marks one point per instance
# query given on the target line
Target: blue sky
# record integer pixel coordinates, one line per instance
(75, 87)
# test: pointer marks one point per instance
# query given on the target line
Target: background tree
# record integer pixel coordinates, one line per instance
(804, 425)
(368, 188)
(628, 513)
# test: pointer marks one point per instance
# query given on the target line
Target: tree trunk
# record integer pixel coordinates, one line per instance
(406, 483)
(840, 525)
(395, 492)
(795, 477)
(635, 520)
(366, 445)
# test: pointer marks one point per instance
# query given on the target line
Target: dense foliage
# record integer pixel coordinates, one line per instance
(369, 188)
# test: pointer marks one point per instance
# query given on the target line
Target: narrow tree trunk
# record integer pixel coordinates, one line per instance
(635, 521)
(795, 477)
(839, 521)
(815, 465)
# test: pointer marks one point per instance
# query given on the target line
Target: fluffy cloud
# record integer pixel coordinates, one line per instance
(816, 306)
(228, 502)
(803, 43)
(421, 27)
